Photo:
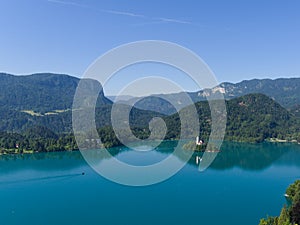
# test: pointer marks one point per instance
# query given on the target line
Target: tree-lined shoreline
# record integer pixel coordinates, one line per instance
(290, 214)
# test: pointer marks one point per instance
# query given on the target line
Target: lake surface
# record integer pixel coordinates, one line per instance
(244, 183)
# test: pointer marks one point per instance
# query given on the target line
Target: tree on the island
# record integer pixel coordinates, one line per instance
(284, 218)
(295, 209)
(269, 221)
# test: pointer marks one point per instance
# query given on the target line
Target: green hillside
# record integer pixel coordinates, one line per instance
(37, 109)
(251, 118)
(41, 93)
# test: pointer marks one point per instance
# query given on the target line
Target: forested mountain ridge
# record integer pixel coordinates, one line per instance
(40, 93)
(46, 92)
(251, 118)
(16, 121)
(286, 91)
(49, 97)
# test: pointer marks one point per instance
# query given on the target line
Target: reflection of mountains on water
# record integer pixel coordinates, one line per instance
(246, 156)
(243, 155)
(254, 156)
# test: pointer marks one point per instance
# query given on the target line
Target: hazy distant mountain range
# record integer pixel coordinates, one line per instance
(46, 100)
(285, 91)
(46, 92)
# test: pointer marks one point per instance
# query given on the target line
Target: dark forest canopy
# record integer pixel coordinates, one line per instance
(36, 113)
(250, 118)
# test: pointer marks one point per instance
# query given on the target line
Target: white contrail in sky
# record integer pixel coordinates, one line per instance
(169, 20)
(123, 13)
(154, 20)
(67, 3)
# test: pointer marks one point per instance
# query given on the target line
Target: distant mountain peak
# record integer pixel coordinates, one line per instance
(286, 91)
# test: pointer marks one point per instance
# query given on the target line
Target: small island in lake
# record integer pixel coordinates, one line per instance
(200, 146)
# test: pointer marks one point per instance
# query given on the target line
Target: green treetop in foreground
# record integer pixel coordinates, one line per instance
(289, 215)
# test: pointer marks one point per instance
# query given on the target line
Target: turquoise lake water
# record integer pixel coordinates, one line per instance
(244, 183)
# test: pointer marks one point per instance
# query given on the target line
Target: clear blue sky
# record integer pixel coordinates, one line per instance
(237, 39)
